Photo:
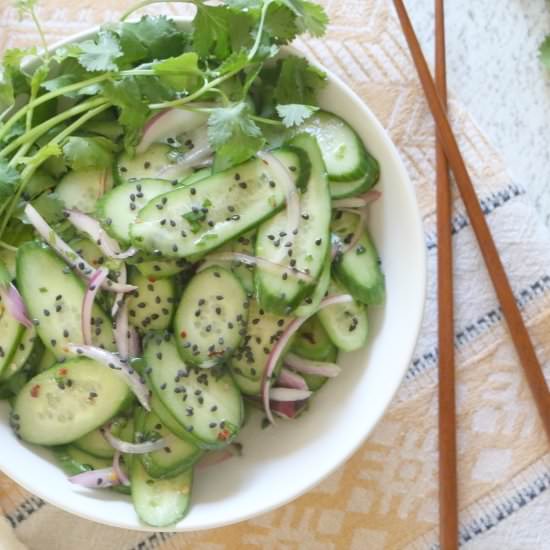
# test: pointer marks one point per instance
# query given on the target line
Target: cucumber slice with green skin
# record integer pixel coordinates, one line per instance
(343, 151)
(160, 269)
(195, 219)
(40, 181)
(23, 351)
(7, 257)
(262, 332)
(244, 245)
(54, 300)
(95, 444)
(211, 317)
(151, 305)
(168, 419)
(11, 332)
(157, 162)
(345, 189)
(247, 386)
(47, 361)
(119, 208)
(346, 324)
(358, 269)
(73, 461)
(306, 251)
(312, 341)
(68, 401)
(311, 303)
(178, 455)
(160, 502)
(195, 177)
(82, 189)
(205, 401)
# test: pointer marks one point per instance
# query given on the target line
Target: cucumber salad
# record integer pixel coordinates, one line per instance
(183, 238)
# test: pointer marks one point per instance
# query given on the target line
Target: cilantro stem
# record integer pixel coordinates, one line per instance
(144, 3)
(4, 129)
(41, 33)
(8, 246)
(205, 88)
(37, 131)
(256, 45)
(263, 120)
(38, 159)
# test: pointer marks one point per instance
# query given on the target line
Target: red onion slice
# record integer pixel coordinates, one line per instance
(132, 448)
(14, 304)
(217, 457)
(121, 331)
(96, 479)
(287, 409)
(284, 176)
(67, 253)
(119, 298)
(170, 123)
(133, 379)
(289, 379)
(253, 261)
(92, 228)
(329, 370)
(119, 470)
(94, 285)
(357, 202)
(289, 394)
(280, 346)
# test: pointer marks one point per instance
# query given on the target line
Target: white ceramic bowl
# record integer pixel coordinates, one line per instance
(281, 463)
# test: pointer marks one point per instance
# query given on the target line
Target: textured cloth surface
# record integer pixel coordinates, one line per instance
(386, 495)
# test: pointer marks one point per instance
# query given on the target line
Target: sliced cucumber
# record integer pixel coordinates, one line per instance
(7, 257)
(205, 401)
(312, 341)
(314, 381)
(197, 218)
(89, 251)
(243, 245)
(167, 418)
(22, 352)
(94, 442)
(160, 269)
(158, 162)
(346, 324)
(82, 189)
(68, 401)
(178, 455)
(151, 305)
(248, 386)
(119, 208)
(197, 176)
(73, 461)
(211, 317)
(344, 189)
(262, 332)
(358, 269)
(39, 182)
(54, 300)
(343, 151)
(47, 361)
(160, 502)
(310, 304)
(306, 251)
(11, 332)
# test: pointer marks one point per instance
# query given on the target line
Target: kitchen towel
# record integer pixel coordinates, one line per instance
(385, 497)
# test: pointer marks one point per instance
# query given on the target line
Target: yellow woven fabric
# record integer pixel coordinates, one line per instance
(386, 495)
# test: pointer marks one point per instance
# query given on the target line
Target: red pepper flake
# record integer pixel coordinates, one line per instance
(35, 390)
(183, 334)
(223, 435)
(62, 372)
(151, 279)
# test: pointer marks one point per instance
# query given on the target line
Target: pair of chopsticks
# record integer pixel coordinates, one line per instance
(448, 155)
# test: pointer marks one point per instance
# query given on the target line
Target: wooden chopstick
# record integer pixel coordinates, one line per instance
(518, 331)
(448, 497)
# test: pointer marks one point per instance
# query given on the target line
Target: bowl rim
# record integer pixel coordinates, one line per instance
(408, 188)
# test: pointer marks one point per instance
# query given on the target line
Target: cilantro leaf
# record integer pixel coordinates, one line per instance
(25, 6)
(88, 152)
(235, 62)
(312, 17)
(298, 82)
(7, 96)
(234, 135)
(281, 23)
(9, 179)
(12, 80)
(544, 52)
(294, 114)
(181, 73)
(100, 54)
(212, 31)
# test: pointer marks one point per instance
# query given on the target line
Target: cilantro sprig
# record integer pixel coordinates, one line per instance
(131, 69)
